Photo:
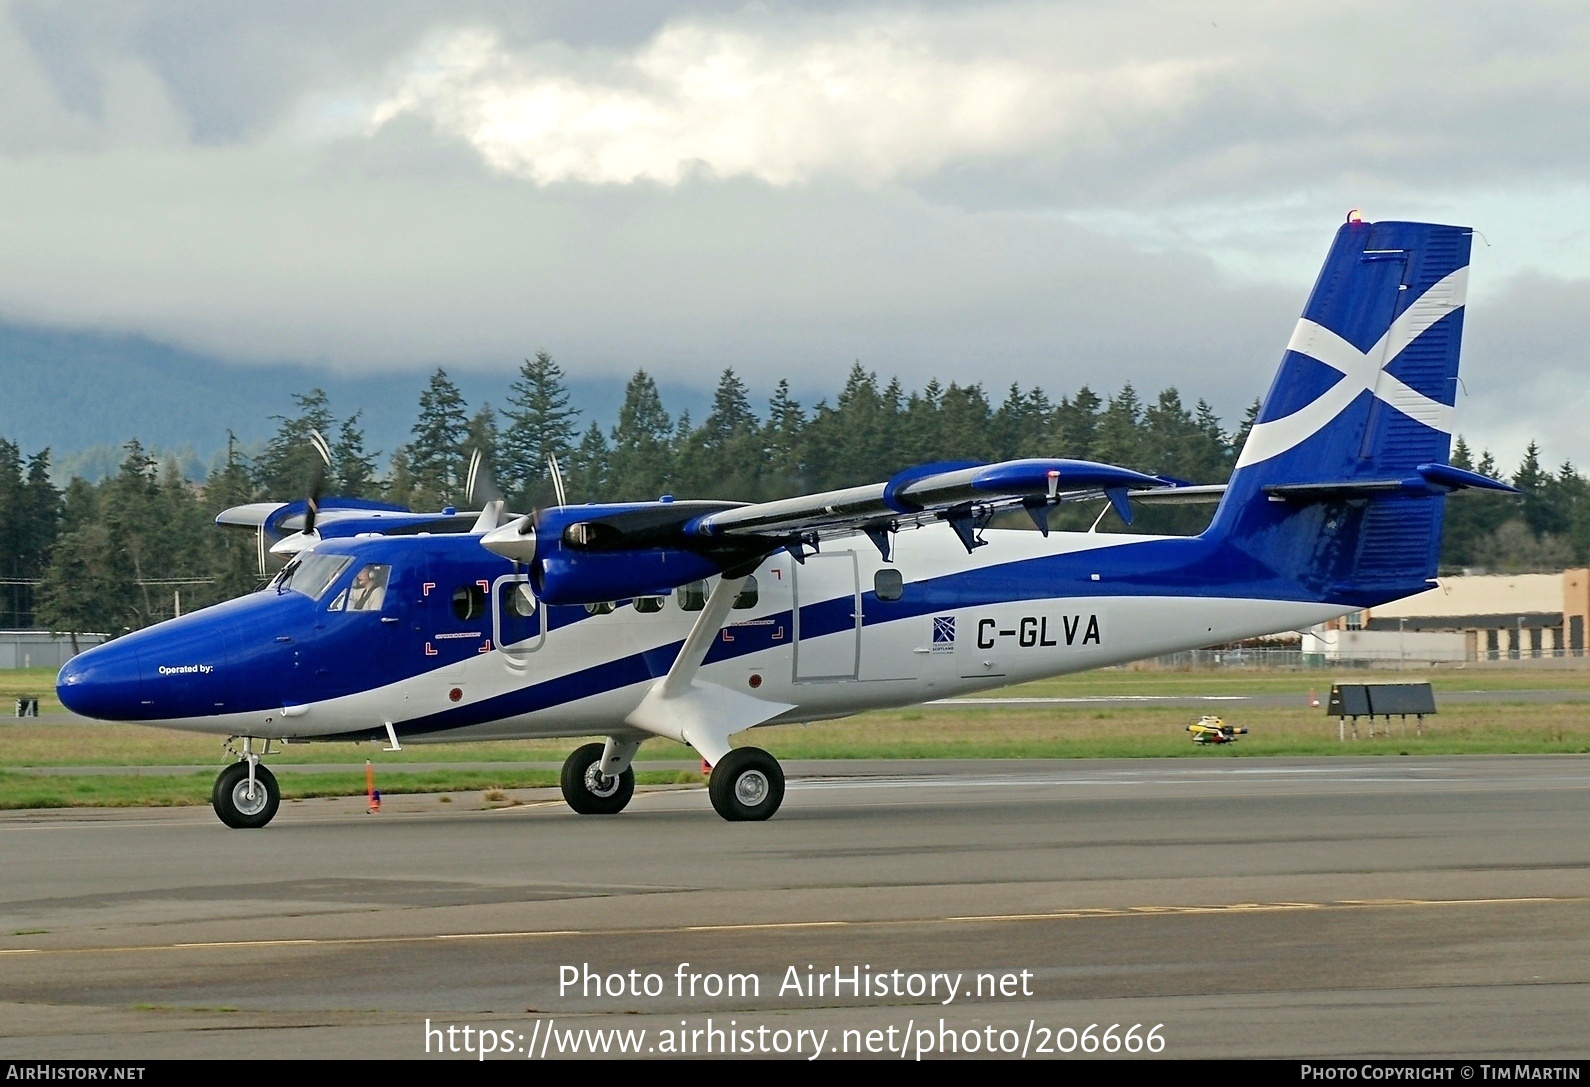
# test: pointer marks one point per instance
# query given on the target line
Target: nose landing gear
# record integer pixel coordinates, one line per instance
(590, 789)
(246, 795)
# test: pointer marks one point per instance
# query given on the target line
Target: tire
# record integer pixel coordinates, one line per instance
(231, 803)
(747, 785)
(586, 792)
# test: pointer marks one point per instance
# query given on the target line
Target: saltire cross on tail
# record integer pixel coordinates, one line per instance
(697, 620)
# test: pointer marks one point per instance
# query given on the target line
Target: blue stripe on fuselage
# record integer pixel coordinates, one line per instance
(1152, 567)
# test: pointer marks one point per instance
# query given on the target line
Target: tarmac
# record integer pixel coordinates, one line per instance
(1335, 907)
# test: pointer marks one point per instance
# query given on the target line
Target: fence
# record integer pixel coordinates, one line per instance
(41, 648)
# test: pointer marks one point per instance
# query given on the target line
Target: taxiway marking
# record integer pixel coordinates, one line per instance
(1079, 914)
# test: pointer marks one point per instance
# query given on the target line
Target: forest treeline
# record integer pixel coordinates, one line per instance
(128, 550)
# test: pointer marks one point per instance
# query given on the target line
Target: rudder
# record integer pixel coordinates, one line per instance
(1327, 488)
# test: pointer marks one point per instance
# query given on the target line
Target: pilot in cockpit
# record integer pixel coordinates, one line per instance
(368, 589)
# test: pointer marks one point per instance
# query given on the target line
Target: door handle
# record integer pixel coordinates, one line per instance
(389, 619)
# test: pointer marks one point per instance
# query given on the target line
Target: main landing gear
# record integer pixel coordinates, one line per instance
(246, 794)
(747, 785)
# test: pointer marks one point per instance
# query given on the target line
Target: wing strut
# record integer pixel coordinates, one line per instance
(684, 708)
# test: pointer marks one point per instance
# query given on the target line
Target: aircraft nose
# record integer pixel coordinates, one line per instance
(102, 683)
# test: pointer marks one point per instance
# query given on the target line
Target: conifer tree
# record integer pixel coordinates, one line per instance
(482, 435)
(587, 475)
(289, 465)
(352, 469)
(1120, 435)
(781, 442)
(966, 430)
(234, 555)
(639, 464)
(537, 423)
(436, 457)
(1077, 424)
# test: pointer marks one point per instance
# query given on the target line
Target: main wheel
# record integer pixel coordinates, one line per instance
(589, 791)
(746, 785)
(235, 805)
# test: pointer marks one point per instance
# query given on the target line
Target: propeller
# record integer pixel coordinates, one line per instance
(479, 481)
(557, 478)
(306, 538)
(516, 540)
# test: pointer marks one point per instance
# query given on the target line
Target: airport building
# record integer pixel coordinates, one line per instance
(1468, 618)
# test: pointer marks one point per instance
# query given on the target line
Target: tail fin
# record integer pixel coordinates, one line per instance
(1362, 400)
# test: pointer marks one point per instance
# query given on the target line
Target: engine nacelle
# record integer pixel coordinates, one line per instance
(561, 575)
(591, 554)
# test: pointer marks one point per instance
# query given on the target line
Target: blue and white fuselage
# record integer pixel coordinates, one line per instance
(698, 620)
(450, 656)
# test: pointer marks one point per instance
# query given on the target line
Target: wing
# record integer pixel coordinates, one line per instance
(585, 554)
(281, 526)
(964, 495)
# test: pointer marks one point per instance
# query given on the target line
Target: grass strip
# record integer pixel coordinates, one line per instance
(141, 791)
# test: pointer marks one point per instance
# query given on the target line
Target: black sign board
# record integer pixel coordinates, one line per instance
(1380, 699)
(1386, 699)
(1348, 700)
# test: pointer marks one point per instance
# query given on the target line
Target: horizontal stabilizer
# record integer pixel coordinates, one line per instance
(1191, 495)
(1429, 480)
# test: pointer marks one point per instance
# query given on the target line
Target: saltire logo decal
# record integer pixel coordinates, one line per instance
(943, 630)
(1362, 371)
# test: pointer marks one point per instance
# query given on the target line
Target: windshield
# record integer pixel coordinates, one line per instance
(311, 574)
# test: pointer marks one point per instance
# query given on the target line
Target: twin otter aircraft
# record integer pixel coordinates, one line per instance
(699, 620)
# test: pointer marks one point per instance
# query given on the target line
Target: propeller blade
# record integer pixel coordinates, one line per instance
(557, 480)
(318, 440)
(481, 484)
(317, 482)
(489, 516)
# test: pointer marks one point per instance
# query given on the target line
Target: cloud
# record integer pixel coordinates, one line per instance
(1049, 193)
(869, 100)
(1122, 105)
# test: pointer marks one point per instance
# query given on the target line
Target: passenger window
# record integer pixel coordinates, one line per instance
(646, 605)
(518, 600)
(747, 595)
(469, 602)
(888, 584)
(368, 591)
(693, 597)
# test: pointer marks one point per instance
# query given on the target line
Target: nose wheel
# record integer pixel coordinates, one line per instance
(591, 792)
(747, 785)
(244, 801)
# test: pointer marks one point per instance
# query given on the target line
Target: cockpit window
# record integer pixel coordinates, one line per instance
(368, 591)
(311, 574)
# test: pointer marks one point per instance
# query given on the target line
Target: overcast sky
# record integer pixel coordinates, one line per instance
(1051, 193)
